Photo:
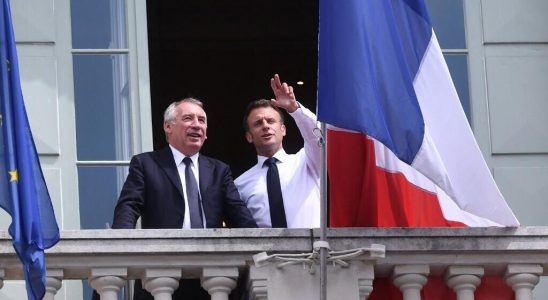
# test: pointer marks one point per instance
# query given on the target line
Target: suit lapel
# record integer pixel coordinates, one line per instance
(206, 174)
(164, 158)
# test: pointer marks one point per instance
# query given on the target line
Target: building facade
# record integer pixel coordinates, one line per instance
(87, 87)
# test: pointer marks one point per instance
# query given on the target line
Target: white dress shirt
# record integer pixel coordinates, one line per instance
(299, 180)
(178, 156)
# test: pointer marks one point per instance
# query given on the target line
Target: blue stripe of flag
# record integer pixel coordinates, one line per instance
(369, 54)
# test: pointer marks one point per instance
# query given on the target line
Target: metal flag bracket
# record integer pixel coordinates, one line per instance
(310, 260)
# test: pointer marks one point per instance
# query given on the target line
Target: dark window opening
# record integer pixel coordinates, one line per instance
(224, 53)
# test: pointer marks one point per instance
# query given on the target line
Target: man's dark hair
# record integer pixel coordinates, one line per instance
(257, 104)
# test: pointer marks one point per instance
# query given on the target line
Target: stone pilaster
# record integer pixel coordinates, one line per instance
(258, 283)
(366, 275)
(2, 275)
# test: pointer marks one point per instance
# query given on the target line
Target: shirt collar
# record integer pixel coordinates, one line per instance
(281, 155)
(178, 156)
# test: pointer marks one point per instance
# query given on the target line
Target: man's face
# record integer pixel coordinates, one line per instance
(188, 131)
(266, 130)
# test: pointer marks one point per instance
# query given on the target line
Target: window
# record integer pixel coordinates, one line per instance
(107, 112)
(447, 17)
(102, 104)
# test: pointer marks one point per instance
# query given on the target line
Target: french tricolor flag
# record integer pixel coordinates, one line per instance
(400, 149)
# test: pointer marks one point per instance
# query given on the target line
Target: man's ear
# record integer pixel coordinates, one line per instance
(167, 127)
(283, 129)
(248, 137)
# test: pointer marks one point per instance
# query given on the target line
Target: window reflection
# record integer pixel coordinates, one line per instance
(458, 67)
(98, 24)
(101, 92)
(99, 188)
(447, 17)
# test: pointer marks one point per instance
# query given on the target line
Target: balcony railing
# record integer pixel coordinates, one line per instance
(108, 258)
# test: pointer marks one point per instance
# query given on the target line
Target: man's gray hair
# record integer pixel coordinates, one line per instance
(171, 114)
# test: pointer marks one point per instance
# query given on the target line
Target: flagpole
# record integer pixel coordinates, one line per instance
(323, 215)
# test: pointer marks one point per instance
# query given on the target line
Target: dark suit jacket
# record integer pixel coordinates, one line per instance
(153, 191)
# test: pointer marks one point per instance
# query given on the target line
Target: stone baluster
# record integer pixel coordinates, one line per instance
(54, 280)
(161, 282)
(464, 280)
(108, 281)
(523, 278)
(219, 281)
(410, 279)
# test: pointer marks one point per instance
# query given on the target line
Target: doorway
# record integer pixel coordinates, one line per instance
(224, 53)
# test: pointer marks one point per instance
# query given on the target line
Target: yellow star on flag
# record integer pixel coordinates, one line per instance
(14, 176)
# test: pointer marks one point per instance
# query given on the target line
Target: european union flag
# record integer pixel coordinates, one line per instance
(23, 191)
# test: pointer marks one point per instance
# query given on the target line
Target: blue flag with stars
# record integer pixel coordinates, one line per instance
(23, 191)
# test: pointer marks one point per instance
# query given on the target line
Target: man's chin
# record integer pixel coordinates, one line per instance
(268, 144)
(267, 147)
(195, 146)
(268, 140)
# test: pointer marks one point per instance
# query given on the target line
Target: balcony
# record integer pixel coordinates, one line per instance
(107, 258)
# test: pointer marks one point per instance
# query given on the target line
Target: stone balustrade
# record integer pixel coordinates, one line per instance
(461, 256)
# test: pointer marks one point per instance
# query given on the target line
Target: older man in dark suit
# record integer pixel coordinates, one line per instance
(177, 187)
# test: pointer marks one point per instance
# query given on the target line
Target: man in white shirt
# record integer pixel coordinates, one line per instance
(299, 174)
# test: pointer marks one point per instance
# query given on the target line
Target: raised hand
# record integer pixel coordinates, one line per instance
(285, 98)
